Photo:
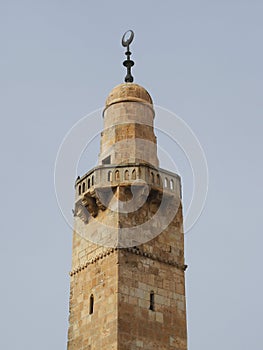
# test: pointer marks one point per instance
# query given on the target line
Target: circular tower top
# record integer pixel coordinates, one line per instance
(128, 92)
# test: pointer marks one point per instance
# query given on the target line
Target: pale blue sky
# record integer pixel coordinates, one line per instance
(199, 59)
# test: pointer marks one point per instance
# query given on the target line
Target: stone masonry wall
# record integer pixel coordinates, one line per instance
(125, 295)
(121, 281)
(158, 267)
(99, 329)
(128, 134)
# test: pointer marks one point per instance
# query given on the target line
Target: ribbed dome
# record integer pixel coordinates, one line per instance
(128, 92)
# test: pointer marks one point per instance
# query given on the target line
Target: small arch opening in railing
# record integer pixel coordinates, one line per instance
(152, 177)
(83, 187)
(88, 183)
(172, 184)
(109, 175)
(126, 175)
(158, 179)
(92, 180)
(133, 174)
(79, 189)
(117, 175)
(166, 182)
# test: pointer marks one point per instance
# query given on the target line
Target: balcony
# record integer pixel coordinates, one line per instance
(106, 176)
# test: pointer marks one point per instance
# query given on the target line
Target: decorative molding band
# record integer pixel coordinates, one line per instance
(93, 260)
(136, 251)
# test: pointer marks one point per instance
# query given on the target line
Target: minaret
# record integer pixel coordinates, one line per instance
(127, 288)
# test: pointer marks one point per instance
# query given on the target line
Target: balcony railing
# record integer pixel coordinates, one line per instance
(128, 174)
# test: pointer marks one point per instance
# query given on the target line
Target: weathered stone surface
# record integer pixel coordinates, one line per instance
(121, 282)
(127, 289)
(128, 134)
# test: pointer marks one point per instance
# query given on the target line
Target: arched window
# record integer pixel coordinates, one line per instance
(110, 176)
(166, 182)
(88, 183)
(152, 177)
(92, 180)
(158, 179)
(117, 175)
(151, 301)
(91, 304)
(79, 189)
(126, 175)
(134, 174)
(83, 187)
(172, 184)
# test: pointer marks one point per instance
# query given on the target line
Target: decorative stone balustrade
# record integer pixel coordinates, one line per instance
(128, 174)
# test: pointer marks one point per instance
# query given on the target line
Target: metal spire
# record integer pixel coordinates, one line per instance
(128, 63)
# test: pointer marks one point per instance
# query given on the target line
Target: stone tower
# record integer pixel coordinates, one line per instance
(127, 288)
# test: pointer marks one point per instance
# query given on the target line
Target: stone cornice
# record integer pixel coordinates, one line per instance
(136, 251)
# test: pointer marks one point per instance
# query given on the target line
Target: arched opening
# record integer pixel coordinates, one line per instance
(117, 175)
(151, 301)
(126, 175)
(110, 176)
(166, 182)
(158, 179)
(92, 180)
(172, 184)
(134, 174)
(152, 177)
(83, 187)
(79, 189)
(91, 304)
(88, 183)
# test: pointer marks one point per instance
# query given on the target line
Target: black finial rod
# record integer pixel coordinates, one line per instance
(128, 63)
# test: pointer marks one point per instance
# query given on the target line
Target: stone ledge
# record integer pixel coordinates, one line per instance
(136, 251)
(106, 177)
(92, 261)
(156, 258)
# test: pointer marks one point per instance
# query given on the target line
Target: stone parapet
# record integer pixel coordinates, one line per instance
(128, 174)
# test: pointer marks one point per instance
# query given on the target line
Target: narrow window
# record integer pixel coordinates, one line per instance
(126, 175)
(117, 175)
(152, 178)
(151, 301)
(79, 189)
(134, 174)
(166, 182)
(91, 304)
(92, 180)
(171, 184)
(83, 187)
(88, 183)
(110, 176)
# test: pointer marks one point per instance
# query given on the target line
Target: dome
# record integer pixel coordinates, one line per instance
(128, 92)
